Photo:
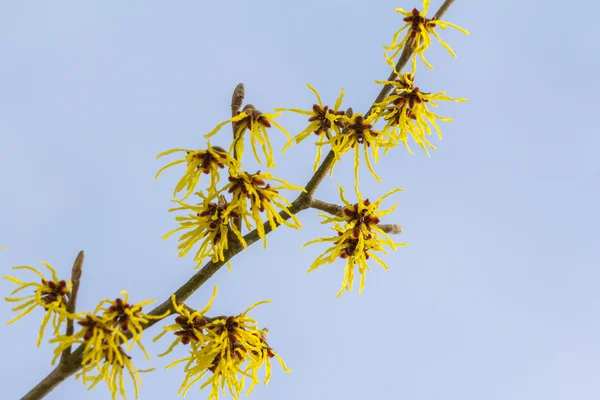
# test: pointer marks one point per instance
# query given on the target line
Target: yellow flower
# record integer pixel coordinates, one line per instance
(188, 325)
(356, 252)
(362, 218)
(358, 236)
(233, 349)
(405, 112)
(208, 223)
(96, 336)
(263, 197)
(200, 162)
(51, 295)
(358, 131)
(419, 29)
(257, 123)
(103, 355)
(322, 121)
(111, 371)
(127, 317)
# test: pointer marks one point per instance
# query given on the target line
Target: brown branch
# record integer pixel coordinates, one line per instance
(76, 272)
(329, 208)
(443, 8)
(394, 229)
(237, 98)
(73, 362)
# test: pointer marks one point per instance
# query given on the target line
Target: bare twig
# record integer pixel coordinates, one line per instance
(236, 102)
(73, 363)
(394, 229)
(76, 272)
(443, 8)
(329, 208)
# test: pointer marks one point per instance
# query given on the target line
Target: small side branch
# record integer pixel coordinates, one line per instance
(76, 272)
(236, 102)
(329, 208)
(336, 210)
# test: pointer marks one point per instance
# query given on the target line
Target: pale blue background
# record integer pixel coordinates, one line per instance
(496, 296)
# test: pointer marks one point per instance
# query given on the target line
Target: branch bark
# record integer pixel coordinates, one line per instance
(73, 362)
(76, 272)
(237, 98)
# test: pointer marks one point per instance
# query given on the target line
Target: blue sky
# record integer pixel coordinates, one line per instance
(495, 296)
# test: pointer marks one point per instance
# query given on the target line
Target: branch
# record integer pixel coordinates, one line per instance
(76, 272)
(334, 209)
(237, 98)
(73, 362)
(443, 8)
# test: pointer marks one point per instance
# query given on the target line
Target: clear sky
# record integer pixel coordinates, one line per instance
(496, 295)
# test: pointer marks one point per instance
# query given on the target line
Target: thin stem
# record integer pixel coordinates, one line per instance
(237, 98)
(443, 8)
(329, 208)
(54, 378)
(76, 272)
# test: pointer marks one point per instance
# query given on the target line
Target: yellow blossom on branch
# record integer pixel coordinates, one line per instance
(112, 371)
(358, 236)
(419, 29)
(50, 294)
(229, 350)
(200, 162)
(103, 337)
(188, 325)
(127, 318)
(356, 252)
(257, 123)
(363, 217)
(209, 224)
(358, 132)
(94, 332)
(405, 112)
(254, 195)
(322, 121)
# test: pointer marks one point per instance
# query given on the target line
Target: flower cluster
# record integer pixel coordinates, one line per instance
(200, 162)
(419, 30)
(225, 350)
(357, 237)
(209, 223)
(51, 295)
(114, 327)
(214, 221)
(359, 131)
(405, 112)
(324, 122)
(257, 123)
(253, 194)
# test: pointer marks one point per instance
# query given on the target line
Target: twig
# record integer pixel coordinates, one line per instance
(394, 229)
(73, 362)
(329, 208)
(76, 272)
(236, 102)
(443, 8)
(334, 209)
